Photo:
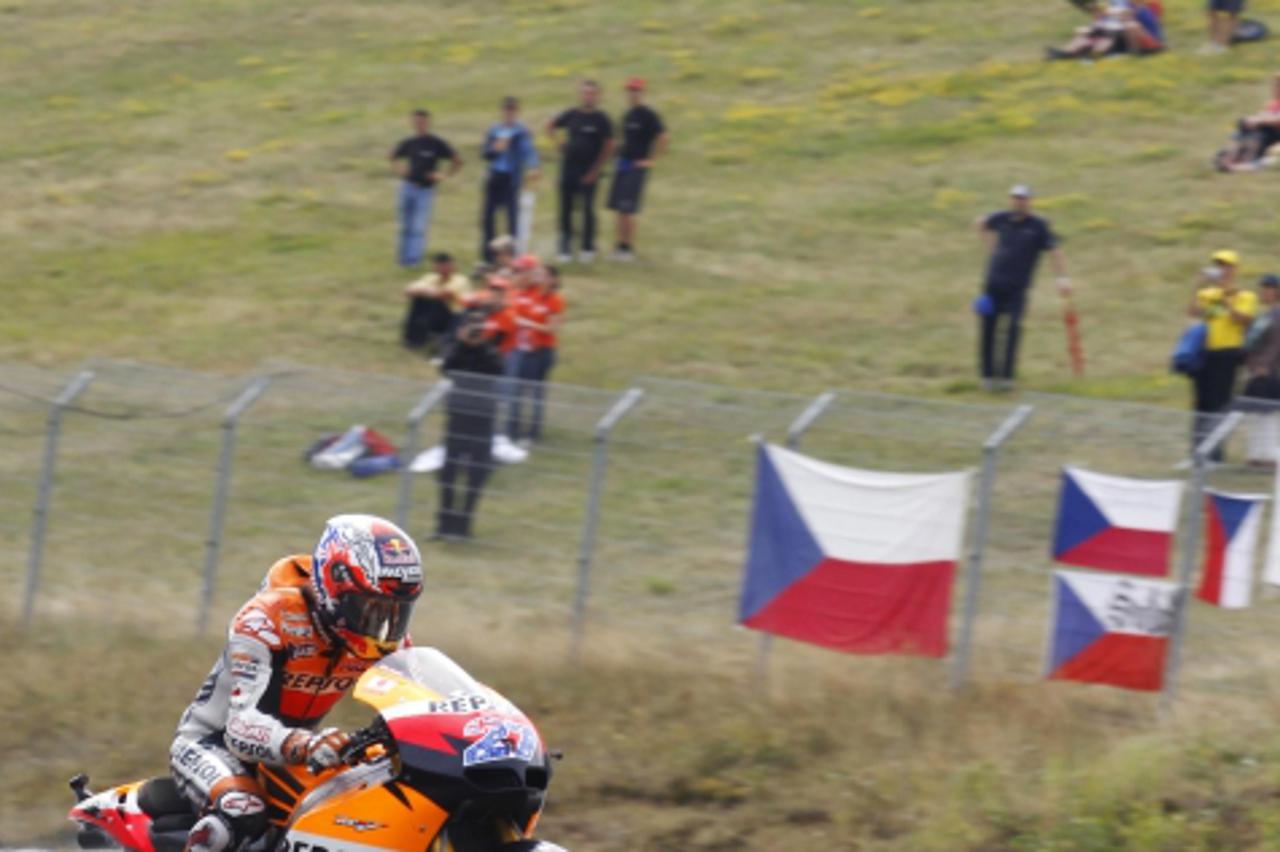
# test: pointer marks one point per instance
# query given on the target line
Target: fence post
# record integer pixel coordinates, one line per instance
(416, 416)
(40, 518)
(981, 520)
(587, 550)
(221, 483)
(795, 432)
(1190, 549)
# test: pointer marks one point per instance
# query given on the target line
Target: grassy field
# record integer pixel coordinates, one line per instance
(206, 187)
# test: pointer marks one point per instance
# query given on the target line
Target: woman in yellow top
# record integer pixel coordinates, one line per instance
(1227, 311)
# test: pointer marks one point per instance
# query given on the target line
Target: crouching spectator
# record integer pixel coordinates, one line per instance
(470, 411)
(1262, 366)
(434, 301)
(1123, 26)
(1254, 135)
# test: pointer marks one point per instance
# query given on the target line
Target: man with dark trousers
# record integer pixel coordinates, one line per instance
(512, 157)
(586, 147)
(1227, 311)
(1015, 239)
(470, 411)
(644, 140)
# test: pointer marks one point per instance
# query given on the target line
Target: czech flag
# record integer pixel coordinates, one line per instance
(1112, 630)
(1115, 523)
(1232, 522)
(853, 560)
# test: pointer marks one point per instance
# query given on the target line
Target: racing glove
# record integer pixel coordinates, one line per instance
(320, 750)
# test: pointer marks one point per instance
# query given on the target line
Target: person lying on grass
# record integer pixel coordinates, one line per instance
(1255, 134)
(1122, 26)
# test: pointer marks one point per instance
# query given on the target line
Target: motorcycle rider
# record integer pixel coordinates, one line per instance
(317, 623)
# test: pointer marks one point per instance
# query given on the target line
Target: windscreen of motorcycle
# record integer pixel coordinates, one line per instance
(444, 720)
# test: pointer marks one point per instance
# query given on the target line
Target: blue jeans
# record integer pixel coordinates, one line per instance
(530, 369)
(415, 219)
(511, 392)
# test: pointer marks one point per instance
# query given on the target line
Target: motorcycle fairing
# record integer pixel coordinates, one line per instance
(366, 816)
(118, 814)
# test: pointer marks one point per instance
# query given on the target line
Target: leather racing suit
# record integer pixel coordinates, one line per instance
(279, 674)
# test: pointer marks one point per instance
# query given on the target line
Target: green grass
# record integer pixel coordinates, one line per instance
(206, 188)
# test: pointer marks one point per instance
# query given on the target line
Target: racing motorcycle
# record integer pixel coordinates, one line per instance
(447, 765)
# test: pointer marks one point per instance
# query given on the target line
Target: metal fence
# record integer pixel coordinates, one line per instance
(137, 493)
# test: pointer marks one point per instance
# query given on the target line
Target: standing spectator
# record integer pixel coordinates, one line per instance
(1262, 366)
(1015, 239)
(435, 300)
(644, 140)
(1224, 17)
(510, 152)
(545, 343)
(538, 311)
(522, 307)
(416, 160)
(470, 411)
(584, 151)
(1227, 312)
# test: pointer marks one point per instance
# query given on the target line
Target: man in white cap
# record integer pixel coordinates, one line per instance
(1015, 239)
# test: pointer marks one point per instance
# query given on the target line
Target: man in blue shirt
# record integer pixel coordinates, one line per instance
(509, 150)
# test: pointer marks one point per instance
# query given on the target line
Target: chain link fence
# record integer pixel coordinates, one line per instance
(137, 493)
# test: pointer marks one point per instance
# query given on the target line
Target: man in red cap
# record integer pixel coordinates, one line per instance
(644, 139)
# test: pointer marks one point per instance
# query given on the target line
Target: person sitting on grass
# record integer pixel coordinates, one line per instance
(434, 301)
(1123, 26)
(1255, 134)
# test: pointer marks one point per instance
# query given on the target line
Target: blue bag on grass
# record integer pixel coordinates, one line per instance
(1188, 352)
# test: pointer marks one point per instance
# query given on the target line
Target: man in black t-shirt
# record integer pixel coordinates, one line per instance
(644, 139)
(586, 147)
(417, 161)
(1015, 239)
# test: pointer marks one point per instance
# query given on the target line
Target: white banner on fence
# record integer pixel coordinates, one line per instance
(1271, 571)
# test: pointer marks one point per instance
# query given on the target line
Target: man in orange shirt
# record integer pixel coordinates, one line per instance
(539, 316)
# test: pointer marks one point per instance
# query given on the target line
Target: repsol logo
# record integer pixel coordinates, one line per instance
(316, 683)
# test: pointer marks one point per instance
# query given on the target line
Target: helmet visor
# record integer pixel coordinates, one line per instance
(379, 618)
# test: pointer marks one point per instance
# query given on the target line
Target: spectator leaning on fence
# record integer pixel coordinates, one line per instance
(1227, 312)
(509, 150)
(435, 299)
(470, 412)
(644, 140)
(584, 151)
(417, 161)
(1262, 368)
(1015, 239)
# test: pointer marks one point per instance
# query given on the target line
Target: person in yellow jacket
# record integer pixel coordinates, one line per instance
(1227, 312)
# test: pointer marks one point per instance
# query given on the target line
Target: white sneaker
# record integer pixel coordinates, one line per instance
(586, 257)
(623, 256)
(564, 257)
